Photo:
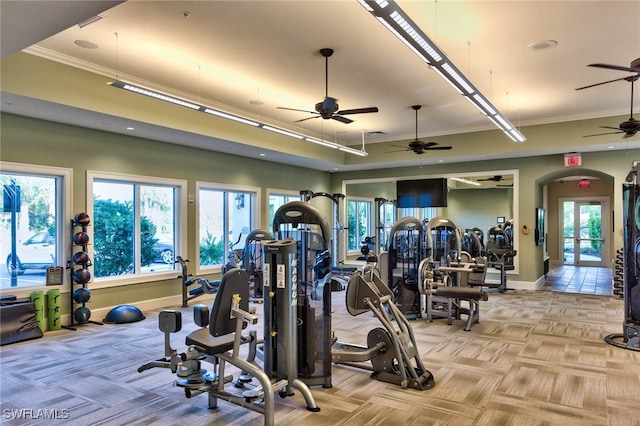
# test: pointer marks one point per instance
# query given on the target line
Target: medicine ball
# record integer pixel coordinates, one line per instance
(81, 258)
(80, 238)
(82, 219)
(82, 315)
(81, 295)
(81, 276)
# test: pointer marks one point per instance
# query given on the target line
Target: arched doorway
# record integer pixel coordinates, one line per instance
(580, 239)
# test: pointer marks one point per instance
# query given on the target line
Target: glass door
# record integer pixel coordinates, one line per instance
(583, 239)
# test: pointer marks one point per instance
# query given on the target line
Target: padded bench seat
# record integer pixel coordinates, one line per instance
(211, 345)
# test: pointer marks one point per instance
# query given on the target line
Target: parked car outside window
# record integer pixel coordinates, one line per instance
(38, 252)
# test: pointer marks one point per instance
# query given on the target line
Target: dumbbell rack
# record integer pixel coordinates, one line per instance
(73, 282)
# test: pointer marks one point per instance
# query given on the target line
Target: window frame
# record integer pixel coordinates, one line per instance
(180, 225)
(278, 192)
(370, 224)
(64, 207)
(255, 219)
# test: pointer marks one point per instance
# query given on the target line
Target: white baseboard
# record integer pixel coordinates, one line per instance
(173, 302)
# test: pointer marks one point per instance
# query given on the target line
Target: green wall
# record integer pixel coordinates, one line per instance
(534, 173)
(31, 141)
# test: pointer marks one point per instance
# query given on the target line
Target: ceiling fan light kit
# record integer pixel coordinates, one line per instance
(222, 114)
(401, 25)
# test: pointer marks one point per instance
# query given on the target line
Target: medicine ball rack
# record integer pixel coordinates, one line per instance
(79, 273)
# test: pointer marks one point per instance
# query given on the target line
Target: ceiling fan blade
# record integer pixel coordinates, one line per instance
(305, 119)
(601, 134)
(439, 147)
(600, 84)
(398, 150)
(615, 67)
(358, 111)
(295, 109)
(344, 120)
(610, 127)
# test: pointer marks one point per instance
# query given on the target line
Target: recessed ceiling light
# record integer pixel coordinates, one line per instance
(542, 45)
(256, 102)
(85, 44)
(262, 154)
(131, 128)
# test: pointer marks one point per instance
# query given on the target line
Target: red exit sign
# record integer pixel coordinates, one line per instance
(572, 160)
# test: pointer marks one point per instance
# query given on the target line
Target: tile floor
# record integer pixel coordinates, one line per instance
(580, 279)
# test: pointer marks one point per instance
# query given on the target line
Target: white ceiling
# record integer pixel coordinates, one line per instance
(251, 57)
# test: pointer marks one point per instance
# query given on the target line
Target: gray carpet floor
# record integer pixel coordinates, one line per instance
(535, 358)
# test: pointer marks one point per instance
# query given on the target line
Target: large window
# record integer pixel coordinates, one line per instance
(425, 214)
(226, 215)
(32, 225)
(387, 216)
(359, 217)
(277, 199)
(136, 224)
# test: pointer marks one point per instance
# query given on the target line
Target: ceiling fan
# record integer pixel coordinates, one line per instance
(328, 108)
(496, 178)
(635, 67)
(631, 126)
(416, 145)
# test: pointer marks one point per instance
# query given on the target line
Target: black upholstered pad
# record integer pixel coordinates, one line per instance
(211, 345)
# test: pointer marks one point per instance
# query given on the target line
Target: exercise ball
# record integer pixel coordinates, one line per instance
(123, 314)
(81, 295)
(80, 238)
(82, 219)
(82, 315)
(81, 276)
(81, 258)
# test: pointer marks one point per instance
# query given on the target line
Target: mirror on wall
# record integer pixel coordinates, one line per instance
(474, 200)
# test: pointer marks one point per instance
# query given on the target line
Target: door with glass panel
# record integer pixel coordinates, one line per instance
(584, 226)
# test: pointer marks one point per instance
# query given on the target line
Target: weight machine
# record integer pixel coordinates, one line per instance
(399, 264)
(500, 253)
(473, 242)
(630, 337)
(447, 273)
(253, 261)
(392, 350)
(217, 343)
(382, 233)
(304, 224)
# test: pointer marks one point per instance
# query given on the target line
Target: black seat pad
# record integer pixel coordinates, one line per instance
(211, 345)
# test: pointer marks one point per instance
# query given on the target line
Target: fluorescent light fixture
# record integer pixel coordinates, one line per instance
(402, 26)
(451, 72)
(191, 105)
(353, 151)
(467, 181)
(282, 132)
(361, 153)
(231, 117)
(321, 142)
(483, 104)
(154, 94)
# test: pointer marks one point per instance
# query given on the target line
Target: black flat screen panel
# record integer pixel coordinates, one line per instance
(421, 193)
